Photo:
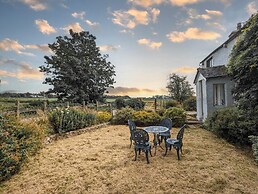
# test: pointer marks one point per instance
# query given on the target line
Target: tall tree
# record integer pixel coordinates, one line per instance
(179, 88)
(77, 70)
(243, 67)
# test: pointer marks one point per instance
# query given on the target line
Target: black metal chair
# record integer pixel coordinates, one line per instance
(167, 122)
(176, 143)
(141, 143)
(132, 128)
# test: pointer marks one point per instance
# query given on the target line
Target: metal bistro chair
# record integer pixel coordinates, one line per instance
(176, 143)
(141, 143)
(132, 128)
(167, 122)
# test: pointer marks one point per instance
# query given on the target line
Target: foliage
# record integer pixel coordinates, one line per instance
(179, 88)
(64, 120)
(103, 117)
(172, 103)
(17, 142)
(254, 140)
(135, 104)
(243, 69)
(146, 118)
(77, 70)
(122, 116)
(177, 115)
(230, 125)
(120, 103)
(190, 104)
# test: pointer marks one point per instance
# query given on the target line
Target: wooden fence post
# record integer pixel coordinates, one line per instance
(97, 104)
(45, 106)
(155, 104)
(18, 109)
(83, 105)
(111, 111)
(67, 105)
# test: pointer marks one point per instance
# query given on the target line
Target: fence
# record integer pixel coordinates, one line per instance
(19, 108)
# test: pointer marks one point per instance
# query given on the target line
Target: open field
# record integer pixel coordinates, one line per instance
(100, 161)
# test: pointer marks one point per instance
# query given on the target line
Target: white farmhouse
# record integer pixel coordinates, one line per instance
(213, 86)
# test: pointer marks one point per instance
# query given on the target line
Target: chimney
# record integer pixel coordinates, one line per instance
(239, 26)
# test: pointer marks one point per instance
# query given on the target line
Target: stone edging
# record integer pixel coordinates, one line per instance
(55, 137)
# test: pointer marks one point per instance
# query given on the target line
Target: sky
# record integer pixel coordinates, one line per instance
(146, 40)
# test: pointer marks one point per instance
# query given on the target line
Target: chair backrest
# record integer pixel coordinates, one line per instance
(180, 134)
(141, 137)
(132, 126)
(167, 122)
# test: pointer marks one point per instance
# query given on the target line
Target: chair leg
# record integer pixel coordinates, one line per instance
(147, 158)
(139, 151)
(178, 153)
(166, 150)
(135, 154)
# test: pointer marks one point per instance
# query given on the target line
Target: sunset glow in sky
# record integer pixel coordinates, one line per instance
(146, 39)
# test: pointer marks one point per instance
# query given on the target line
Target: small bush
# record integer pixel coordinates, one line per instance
(103, 117)
(190, 104)
(172, 103)
(230, 125)
(17, 142)
(146, 118)
(64, 120)
(254, 140)
(120, 103)
(177, 115)
(122, 116)
(135, 104)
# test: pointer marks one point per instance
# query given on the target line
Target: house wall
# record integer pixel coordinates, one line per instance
(201, 113)
(228, 95)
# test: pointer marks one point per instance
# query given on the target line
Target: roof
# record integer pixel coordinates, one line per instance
(232, 36)
(212, 72)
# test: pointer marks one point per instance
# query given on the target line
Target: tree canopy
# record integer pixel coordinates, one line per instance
(179, 88)
(77, 70)
(243, 66)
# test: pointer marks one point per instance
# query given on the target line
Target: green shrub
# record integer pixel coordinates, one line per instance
(121, 116)
(64, 120)
(190, 104)
(146, 118)
(254, 140)
(103, 117)
(230, 125)
(17, 142)
(120, 103)
(135, 104)
(177, 115)
(172, 103)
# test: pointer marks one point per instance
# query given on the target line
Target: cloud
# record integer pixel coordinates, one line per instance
(13, 45)
(23, 70)
(146, 3)
(209, 14)
(36, 5)
(133, 17)
(105, 48)
(186, 69)
(76, 27)
(79, 15)
(43, 48)
(192, 33)
(216, 25)
(252, 7)
(3, 82)
(226, 2)
(44, 27)
(91, 24)
(182, 3)
(135, 91)
(155, 12)
(149, 43)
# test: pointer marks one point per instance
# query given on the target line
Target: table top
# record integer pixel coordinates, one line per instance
(156, 129)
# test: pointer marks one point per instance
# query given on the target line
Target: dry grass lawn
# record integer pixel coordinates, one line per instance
(100, 161)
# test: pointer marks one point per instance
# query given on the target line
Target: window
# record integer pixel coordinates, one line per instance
(209, 62)
(218, 94)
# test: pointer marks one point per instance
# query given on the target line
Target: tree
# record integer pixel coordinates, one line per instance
(243, 67)
(179, 88)
(77, 71)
